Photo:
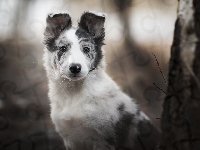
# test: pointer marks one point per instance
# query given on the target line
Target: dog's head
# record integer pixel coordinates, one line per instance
(74, 51)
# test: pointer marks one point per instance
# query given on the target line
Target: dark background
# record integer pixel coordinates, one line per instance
(138, 34)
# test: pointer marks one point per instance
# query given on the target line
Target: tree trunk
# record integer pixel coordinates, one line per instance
(180, 122)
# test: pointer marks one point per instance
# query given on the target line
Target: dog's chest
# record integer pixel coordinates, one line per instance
(82, 116)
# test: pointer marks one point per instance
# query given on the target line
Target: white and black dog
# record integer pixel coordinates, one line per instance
(88, 108)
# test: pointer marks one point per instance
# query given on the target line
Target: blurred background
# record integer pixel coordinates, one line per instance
(139, 34)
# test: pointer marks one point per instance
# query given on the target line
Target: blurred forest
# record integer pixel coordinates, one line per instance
(139, 34)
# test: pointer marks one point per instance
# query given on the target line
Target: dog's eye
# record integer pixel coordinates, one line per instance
(86, 49)
(63, 48)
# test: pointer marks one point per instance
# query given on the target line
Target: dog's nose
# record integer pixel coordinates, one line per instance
(75, 68)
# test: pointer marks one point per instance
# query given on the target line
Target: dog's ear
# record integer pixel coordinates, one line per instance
(56, 23)
(93, 24)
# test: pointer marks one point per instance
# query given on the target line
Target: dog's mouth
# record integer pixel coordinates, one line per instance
(76, 77)
(73, 77)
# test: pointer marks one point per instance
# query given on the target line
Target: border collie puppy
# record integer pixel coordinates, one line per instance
(88, 108)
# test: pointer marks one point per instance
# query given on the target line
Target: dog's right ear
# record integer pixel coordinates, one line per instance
(56, 23)
(93, 23)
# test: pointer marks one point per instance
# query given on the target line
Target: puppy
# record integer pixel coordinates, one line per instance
(88, 108)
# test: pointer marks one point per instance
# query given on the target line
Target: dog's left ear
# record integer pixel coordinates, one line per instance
(93, 24)
(56, 23)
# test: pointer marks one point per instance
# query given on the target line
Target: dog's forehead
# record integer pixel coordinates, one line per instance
(73, 35)
(68, 36)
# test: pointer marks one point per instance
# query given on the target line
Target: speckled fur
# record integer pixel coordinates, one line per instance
(91, 113)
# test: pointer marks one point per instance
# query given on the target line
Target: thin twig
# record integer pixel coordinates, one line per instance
(160, 70)
(159, 88)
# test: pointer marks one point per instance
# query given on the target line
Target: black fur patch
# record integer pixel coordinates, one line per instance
(148, 136)
(91, 27)
(60, 53)
(110, 140)
(54, 61)
(145, 128)
(50, 43)
(122, 128)
(55, 25)
(82, 34)
(121, 107)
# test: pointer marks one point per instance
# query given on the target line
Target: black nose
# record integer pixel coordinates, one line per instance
(75, 68)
